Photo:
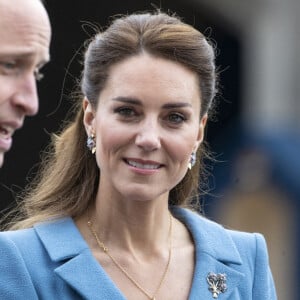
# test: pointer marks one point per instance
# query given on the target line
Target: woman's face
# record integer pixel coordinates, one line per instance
(146, 126)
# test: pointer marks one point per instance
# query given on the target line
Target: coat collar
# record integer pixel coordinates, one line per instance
(74, 260)
(209, 237)
(215, 252)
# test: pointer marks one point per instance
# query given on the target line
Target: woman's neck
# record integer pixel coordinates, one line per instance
(141, 226)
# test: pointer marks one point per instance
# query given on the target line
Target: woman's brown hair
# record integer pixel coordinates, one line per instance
(68, 179)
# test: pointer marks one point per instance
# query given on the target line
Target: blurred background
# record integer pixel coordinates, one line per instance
(255, 181)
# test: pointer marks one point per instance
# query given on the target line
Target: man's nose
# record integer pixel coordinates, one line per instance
(26, 96)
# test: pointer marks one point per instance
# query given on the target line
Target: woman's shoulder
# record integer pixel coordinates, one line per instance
(248, 241)
(27, 238)
(12, 238)
(13, 269)
(215, 234)
(224, 250)
(30, 256)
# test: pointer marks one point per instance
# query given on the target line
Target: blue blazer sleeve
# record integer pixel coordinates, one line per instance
(15, 282)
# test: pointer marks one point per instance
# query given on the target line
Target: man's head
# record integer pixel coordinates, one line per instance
(24, 48)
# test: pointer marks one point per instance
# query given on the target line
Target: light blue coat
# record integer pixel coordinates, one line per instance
(52, 261)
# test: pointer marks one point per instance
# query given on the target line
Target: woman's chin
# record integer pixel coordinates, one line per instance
(143, 195)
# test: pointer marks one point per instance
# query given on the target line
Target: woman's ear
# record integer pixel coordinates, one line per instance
(201, 131)
(88, 117)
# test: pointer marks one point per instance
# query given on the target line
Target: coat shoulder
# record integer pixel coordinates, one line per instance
(14, 275)
(243, 252)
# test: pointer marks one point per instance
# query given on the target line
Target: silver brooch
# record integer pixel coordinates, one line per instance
(217, 284)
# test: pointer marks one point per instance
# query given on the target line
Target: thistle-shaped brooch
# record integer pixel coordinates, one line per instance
(217, 284)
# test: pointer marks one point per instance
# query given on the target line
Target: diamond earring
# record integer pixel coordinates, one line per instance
(91, 143)
(192, 160)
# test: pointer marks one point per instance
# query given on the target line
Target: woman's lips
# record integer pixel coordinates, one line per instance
(143, 167)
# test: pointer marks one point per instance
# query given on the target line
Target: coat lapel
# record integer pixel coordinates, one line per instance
(215, 252)
(87, 277)
(200, 288)
(75, 263)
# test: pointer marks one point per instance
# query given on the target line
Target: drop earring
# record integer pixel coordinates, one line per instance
(192, 160)
(91, 143)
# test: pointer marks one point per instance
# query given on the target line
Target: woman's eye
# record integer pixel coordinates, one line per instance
(176, 118)
(125, 111)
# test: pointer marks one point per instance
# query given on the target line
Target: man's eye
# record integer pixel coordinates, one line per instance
(8, 66)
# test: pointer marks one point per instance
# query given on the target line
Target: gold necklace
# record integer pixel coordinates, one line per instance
(106, 251)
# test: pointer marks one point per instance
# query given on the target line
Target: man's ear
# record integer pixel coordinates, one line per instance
(88, 117)
(201, 131)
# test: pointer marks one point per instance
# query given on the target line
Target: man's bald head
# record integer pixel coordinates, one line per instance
(25, 34)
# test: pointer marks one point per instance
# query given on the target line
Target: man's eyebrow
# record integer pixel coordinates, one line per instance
(21, 55)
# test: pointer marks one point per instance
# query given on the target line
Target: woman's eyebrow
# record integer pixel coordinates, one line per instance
(128, 100)
(136, 101)
(176, 105)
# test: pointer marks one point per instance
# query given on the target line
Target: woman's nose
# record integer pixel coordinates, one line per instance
(148, 136)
